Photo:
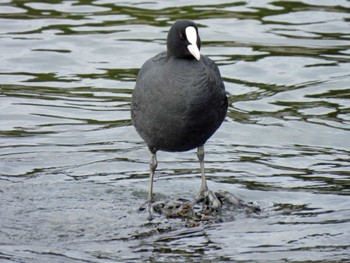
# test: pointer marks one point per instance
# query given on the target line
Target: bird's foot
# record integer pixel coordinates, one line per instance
(211, 202)
(149, 207)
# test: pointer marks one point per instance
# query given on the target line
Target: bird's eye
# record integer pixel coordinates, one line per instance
(182, 37)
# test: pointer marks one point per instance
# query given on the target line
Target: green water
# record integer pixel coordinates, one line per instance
(73, 170)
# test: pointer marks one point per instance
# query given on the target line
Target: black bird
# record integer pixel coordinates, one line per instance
(179, 101)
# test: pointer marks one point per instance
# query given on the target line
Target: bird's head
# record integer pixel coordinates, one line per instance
(183, 40)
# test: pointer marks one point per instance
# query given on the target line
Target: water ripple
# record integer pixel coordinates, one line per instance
(73, 170)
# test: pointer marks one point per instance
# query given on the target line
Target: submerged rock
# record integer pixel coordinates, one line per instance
(195, 212)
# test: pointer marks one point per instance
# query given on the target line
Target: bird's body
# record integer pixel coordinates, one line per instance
(179, 100)
(185, 103)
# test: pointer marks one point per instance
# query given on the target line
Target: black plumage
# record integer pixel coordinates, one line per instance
(179, 100)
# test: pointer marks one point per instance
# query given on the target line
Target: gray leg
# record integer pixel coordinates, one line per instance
(200, 155)
(204, 191)
(153, 165)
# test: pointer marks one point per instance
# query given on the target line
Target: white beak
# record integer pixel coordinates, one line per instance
(191, 35)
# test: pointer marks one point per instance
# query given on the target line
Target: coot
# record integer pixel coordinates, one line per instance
(179, 101)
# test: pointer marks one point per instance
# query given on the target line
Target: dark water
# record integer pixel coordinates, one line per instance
(73, 170)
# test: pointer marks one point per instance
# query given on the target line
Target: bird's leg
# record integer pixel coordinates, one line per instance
(204, 192)
(153, 165)
(200, 155)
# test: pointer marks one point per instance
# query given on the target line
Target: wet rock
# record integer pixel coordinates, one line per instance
(196, 212)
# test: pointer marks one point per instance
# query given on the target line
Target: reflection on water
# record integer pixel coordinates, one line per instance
(73, 169)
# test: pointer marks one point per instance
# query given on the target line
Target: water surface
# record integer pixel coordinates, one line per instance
(73, 170)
